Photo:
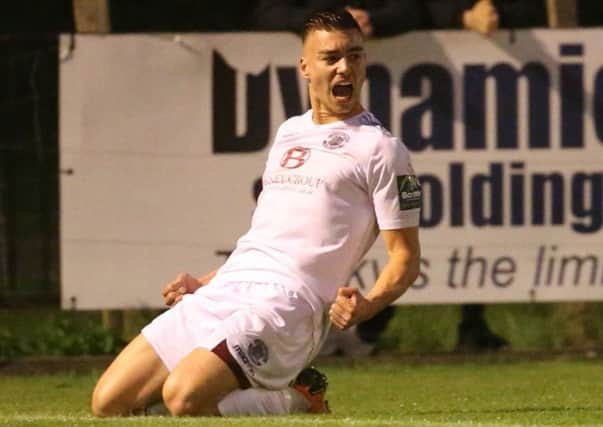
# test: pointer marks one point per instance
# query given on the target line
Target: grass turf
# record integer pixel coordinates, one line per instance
(371, 393)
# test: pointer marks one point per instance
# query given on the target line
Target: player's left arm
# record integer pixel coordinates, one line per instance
(400, 271)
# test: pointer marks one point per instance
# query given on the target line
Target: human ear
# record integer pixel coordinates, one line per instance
(303, 68)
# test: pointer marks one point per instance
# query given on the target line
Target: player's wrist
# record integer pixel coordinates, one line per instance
(371, 308)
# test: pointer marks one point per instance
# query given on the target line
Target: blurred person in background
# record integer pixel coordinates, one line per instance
(376, 18)
(483, 16)
(384, 18)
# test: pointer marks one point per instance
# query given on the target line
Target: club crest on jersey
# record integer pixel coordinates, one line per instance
(335, 140)
(295, 157)
(258, 352)
(409, 192)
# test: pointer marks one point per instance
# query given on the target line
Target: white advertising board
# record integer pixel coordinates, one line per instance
(163, 136)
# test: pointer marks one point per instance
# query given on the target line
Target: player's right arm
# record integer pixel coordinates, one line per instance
(184, 283)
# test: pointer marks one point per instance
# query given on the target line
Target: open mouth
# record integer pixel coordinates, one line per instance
(343, 90)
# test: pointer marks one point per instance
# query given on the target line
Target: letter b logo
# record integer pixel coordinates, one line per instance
(295, 157)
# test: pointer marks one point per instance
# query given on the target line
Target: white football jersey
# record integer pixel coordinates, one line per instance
(327, 191)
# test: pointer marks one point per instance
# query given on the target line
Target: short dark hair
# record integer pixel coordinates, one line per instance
(330, 20)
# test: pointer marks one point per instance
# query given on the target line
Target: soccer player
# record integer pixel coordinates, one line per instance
(236, 341)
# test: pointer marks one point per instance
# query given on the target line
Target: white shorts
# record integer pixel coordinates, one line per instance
(271, 332)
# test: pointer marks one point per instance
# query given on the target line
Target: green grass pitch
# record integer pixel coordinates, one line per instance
(368, 393)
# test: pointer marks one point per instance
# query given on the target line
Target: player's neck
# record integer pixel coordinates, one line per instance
(322, 116)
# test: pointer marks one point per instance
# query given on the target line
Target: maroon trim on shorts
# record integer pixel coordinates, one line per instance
(221, 350)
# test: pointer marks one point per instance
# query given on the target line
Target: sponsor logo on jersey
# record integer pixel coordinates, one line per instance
(295, 157)
(409, 192)
(293, 180)
(258, 352)
(336, 140)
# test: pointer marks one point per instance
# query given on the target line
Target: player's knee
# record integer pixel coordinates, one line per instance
(174, 398)
(182, 401)
(104, 403)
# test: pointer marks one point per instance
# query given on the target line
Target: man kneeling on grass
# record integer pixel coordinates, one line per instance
(237, 341)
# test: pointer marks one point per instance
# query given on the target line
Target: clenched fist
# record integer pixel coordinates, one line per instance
(350, 308)
(183, 284)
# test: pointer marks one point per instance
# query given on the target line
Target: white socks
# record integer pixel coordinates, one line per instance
(254, 401)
